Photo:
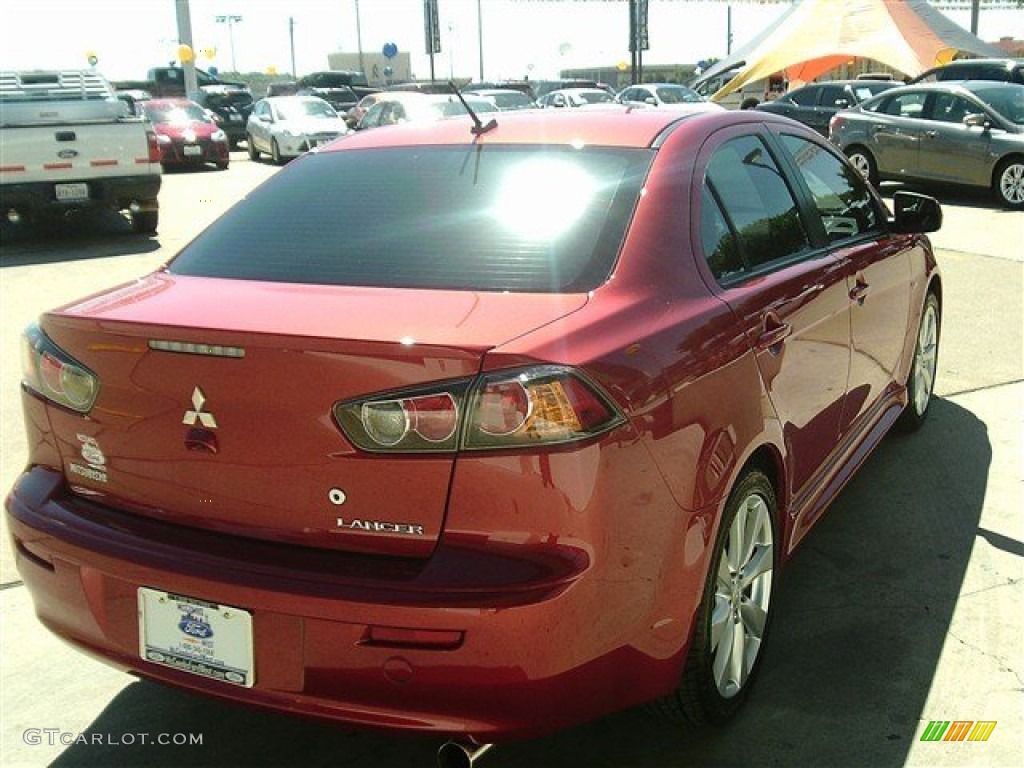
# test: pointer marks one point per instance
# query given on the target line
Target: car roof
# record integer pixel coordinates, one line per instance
(616, 126)
(273, 100)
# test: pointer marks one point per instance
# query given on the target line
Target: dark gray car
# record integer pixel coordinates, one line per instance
(969, 133)
(816, 103)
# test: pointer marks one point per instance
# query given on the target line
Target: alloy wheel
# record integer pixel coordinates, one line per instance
(743, 589)
(926, 358)
(1011, 184)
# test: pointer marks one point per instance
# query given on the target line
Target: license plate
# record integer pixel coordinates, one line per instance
(192, 151)
(235, 118)
(79, 191)
(195, 636)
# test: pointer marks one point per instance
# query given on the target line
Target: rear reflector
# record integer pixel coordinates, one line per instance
(430, 639)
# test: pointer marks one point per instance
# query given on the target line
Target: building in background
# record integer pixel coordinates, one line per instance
(375, 65)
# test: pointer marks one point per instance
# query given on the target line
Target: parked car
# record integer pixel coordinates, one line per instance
(354, 115)
(969, 133)
(341, 97)
(286, 126)
(575, 97)
(229, 106)
(815, 104)
(283, 88)
(187, 134)
(478, 433)
(395, 107)
(658, 95)
(1005, 70)
(504, 98)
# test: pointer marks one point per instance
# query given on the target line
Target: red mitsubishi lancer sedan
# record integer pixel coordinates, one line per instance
(479, 431)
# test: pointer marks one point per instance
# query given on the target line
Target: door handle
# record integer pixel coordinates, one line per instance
(931, 134)
(775, 331)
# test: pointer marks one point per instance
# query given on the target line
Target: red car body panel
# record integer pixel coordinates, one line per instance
(553, 585)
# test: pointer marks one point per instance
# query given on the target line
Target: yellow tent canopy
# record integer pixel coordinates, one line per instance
(819, 35)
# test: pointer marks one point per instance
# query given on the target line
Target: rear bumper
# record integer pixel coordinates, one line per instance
(116, 192)
(544, 641)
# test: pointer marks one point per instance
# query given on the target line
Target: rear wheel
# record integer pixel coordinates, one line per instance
(921, 381)
(864, 163)
(145, 222)
(1008, 183)
(254, 154)
(749, 103)
(275, 153)
(733, 618)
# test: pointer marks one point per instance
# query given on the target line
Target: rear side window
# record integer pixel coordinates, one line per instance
(492, 218)
(805, 97)
(757, 202)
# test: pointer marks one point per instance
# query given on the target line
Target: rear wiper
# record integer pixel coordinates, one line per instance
(478, 126)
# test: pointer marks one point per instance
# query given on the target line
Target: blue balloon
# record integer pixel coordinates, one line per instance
(390, 50)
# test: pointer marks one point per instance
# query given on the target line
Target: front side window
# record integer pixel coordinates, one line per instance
(757, 202)
(847, 208)
(489, 218)
(950, 108)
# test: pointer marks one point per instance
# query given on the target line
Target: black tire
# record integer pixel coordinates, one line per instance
(1008, 182)
(275, 153)
(254, 154)
(749, 103)
(223, 166)
(921, 378)
(145, 222)
(864, 162)
(705, 695)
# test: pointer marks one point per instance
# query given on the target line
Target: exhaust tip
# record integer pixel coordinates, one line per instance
(454, 754)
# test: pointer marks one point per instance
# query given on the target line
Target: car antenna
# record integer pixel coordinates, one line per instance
(478, 126)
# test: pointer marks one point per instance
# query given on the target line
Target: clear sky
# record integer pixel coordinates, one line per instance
(521, 37)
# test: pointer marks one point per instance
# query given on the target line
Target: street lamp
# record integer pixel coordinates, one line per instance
(230, 20)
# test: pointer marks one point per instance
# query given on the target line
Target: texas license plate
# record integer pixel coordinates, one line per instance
(195, 636)
(78, 191)
(193, 151)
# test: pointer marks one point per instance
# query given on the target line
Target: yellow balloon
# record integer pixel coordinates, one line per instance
(210, 53)
(271, 70)
(622, 66)
(185, 53)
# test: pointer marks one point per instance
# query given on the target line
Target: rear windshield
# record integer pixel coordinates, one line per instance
(490, 218)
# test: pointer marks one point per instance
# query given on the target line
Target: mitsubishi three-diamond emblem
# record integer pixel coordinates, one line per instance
(197, 413)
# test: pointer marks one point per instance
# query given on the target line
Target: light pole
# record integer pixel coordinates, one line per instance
(230, 20)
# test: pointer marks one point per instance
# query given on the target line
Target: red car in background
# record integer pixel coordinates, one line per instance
(187, 134)
(478, 430)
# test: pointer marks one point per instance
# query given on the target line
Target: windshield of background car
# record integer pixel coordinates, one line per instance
(678, 95)
(1008, 101)
(300, 109)
(177, 115)
(532, 219)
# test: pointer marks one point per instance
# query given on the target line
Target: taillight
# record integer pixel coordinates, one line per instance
(54, 374)
(154, 146)
(545, 405)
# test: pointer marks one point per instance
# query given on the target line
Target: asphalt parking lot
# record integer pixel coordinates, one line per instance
(904, 606)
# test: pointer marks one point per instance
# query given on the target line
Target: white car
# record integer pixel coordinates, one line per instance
(575, 97)
(286, 126)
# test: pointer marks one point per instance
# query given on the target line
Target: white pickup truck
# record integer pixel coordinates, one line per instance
(68, 145)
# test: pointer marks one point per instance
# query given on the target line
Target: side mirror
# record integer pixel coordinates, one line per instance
(651, 100)
(915, 213)
(977, 121)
